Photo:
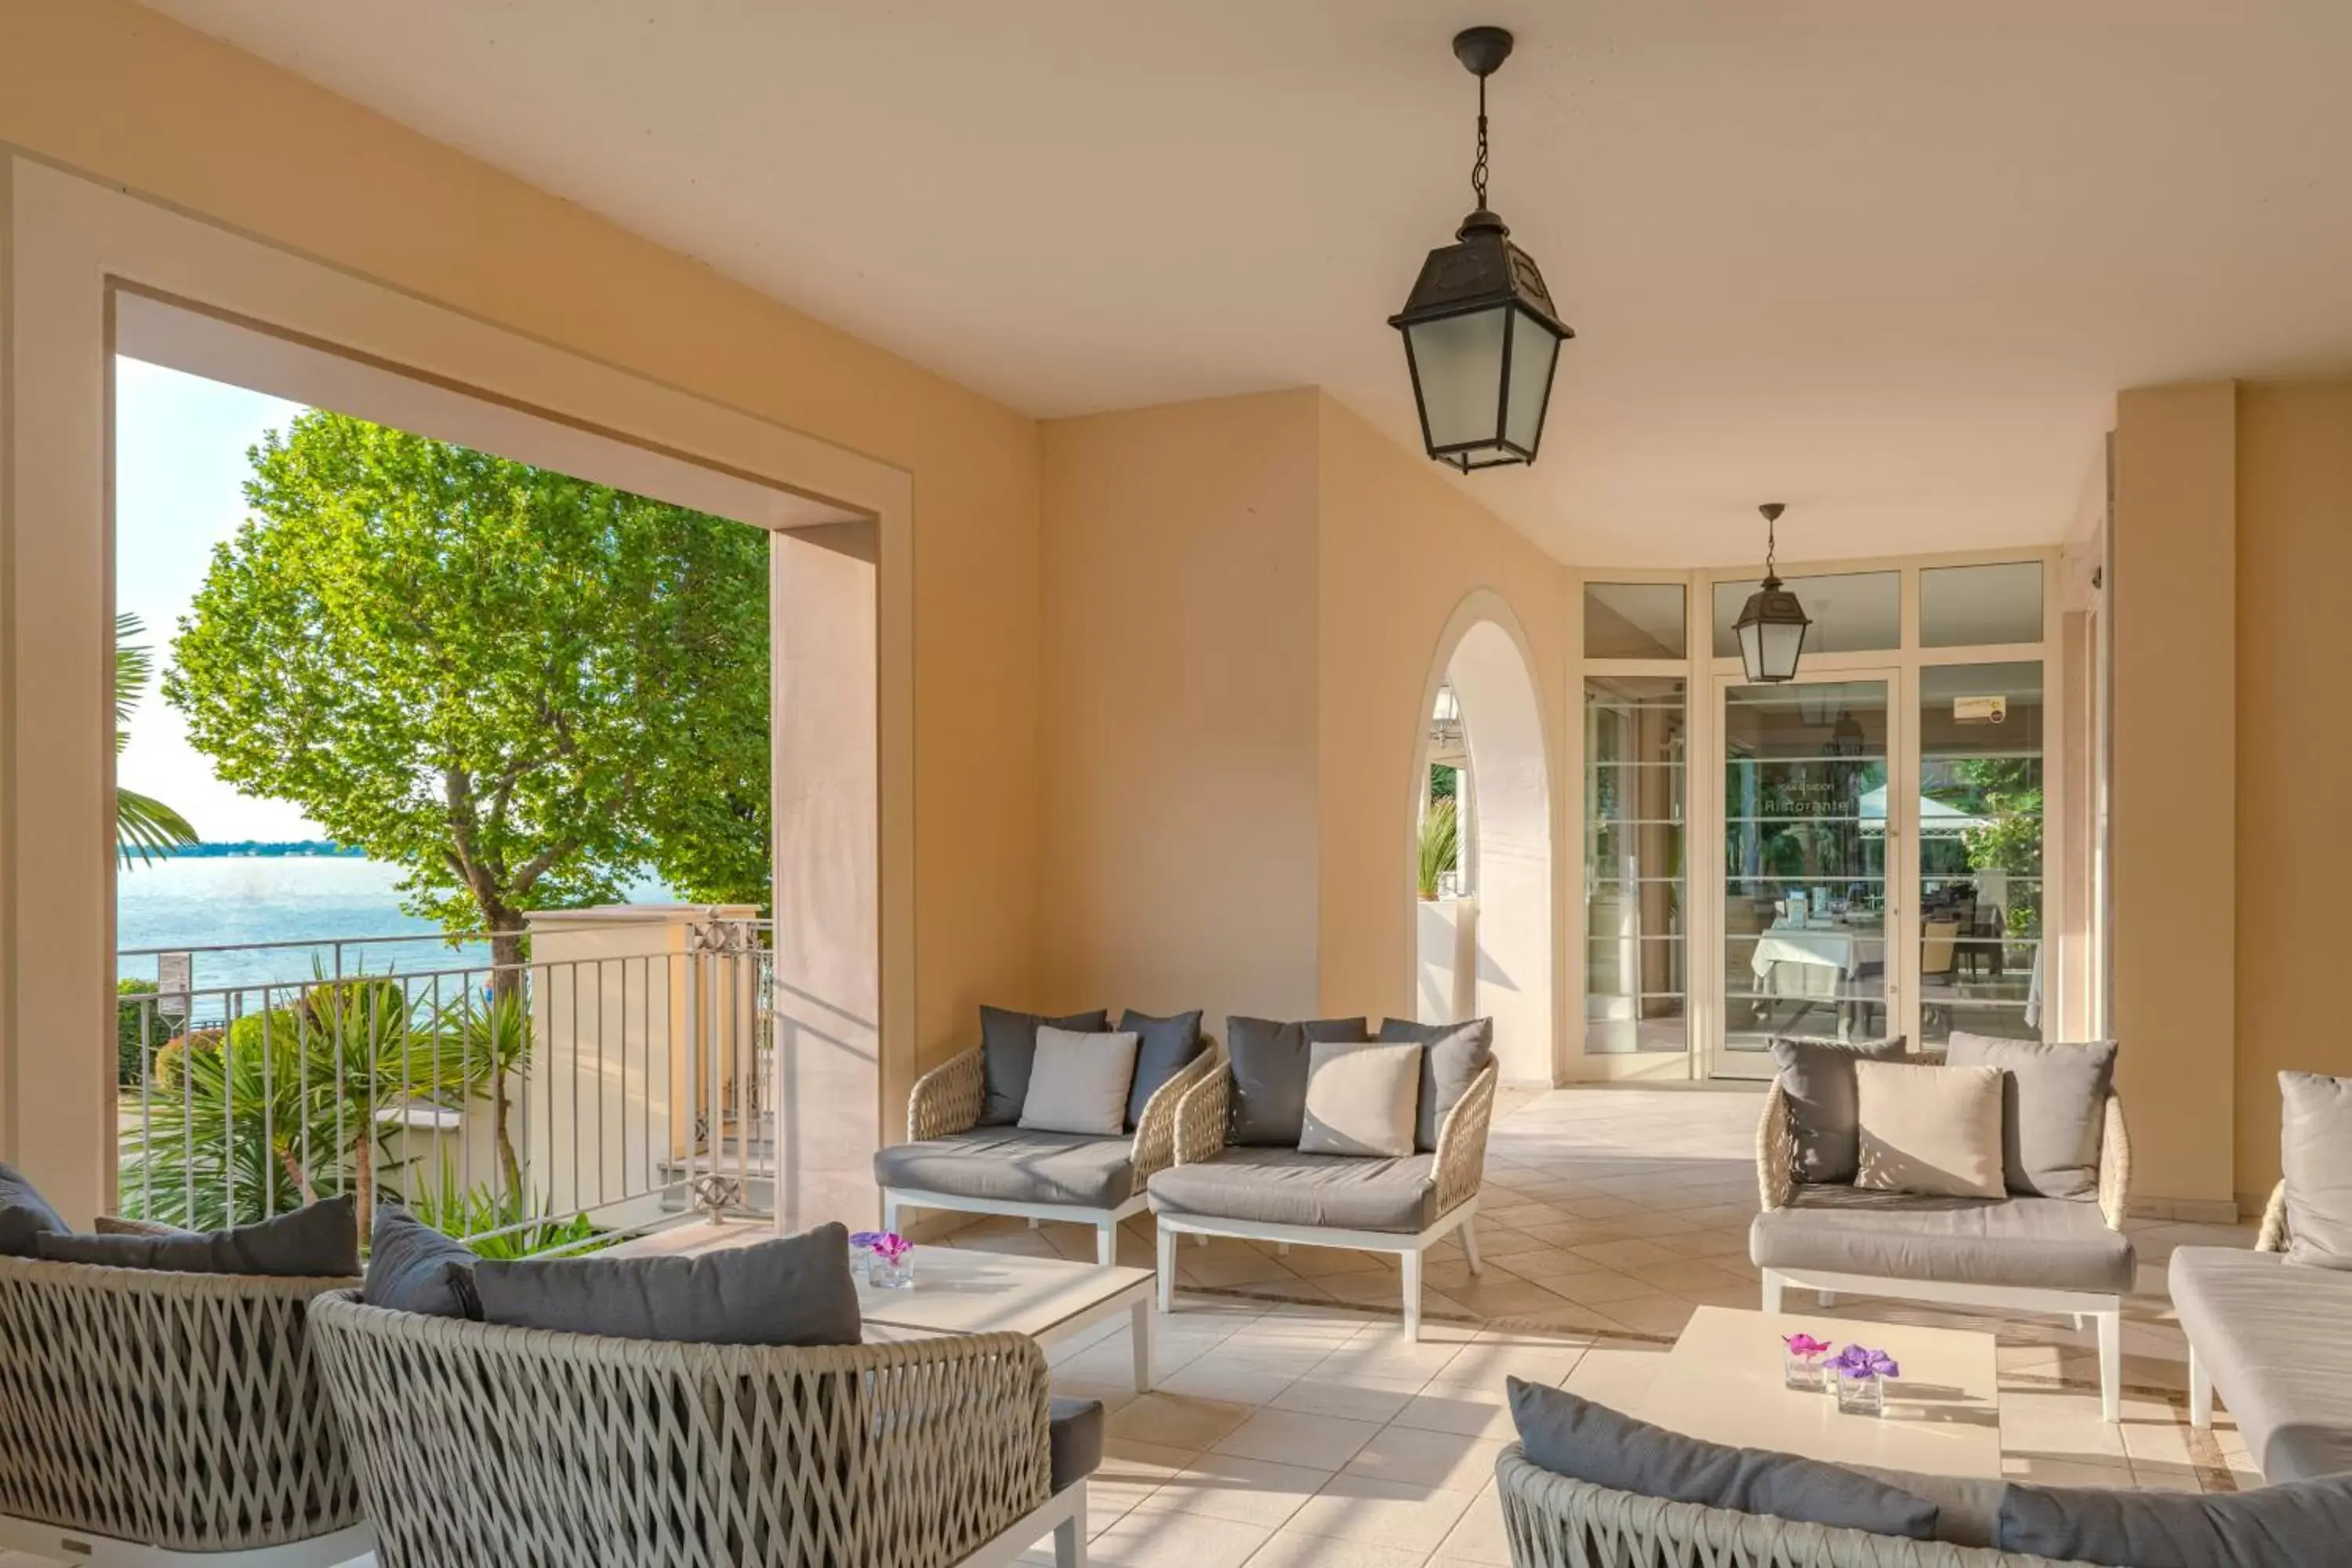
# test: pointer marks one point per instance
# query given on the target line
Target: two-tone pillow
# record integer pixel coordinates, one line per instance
(1360, 1099)
(2315, 1156)
(1931, 1130)
(1269, 1062)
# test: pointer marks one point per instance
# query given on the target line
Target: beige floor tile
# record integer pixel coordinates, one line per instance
(1623, 1253)
(1251, 1491)
(1688, 1276)
(1358, 1398)
(1490, 1359)
(1478, 1536)
(1599, 1287)
(1502, 1241)
(1614, 1376)
(1295, 1438)
(1149, 1537)
(1495, 1294)
(1295, 1549)
(1314, 1262)
(1652, 1314)
(1177, 1421)
(1477, 1412)
(1395, 1514)
(1129, 1472)
(1446, 1459)
(1230, 1379)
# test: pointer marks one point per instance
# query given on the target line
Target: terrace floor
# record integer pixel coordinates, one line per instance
(1293, 1425)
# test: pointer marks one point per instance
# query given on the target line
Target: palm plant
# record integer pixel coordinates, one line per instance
(1441, 846)
(143, 825)
(496, 1224)
(492, 1037)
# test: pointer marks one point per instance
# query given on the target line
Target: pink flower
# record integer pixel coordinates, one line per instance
(1804, 1345)
(887, 1245)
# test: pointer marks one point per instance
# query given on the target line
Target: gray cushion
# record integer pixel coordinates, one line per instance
(1818, 1078)
(1073, 1434)
(1008, 1046)
(2299, 1525)
(24, 1214)
(1269, 1068)
(317, 1241)
(2052, 1244)
(1457, 1053)
(2271, 1335)
(1078, 1083)
(1009, 1165)
(413, 1267)
(2316, 1155)
(2053, 1109)
(794, 1291)
(1283, 1186)
(1572, 1436)
(1967, 1508)
(1164, 1048)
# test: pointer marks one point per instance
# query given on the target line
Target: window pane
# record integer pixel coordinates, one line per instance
(1634, 620)
(1959, 606)
(1635, 732)
(1855, 611)
(1980, 818)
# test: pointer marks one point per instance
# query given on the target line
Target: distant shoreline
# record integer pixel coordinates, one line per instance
(256, 848)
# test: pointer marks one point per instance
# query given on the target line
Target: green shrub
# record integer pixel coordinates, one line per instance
(170, 1059)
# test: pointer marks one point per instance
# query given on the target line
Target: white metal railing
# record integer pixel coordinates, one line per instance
(538, 1105)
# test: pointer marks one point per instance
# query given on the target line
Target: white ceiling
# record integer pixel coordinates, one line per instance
(1886, 262)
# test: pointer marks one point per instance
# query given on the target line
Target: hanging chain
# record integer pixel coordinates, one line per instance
(1772, 542)
(1478, 169)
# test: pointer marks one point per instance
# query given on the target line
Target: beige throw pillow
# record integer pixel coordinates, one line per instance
(1360, 1099)
(1934, 1130)
(1078, 1083)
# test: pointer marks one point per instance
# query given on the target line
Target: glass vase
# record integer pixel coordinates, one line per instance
(890, 1273)
(1861, 1395)
(1802, 1372)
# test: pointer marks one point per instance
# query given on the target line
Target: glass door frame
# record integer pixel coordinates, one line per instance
(1711, 1055)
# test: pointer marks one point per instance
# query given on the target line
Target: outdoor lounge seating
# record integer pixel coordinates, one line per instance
(952, 1162)
(152, 1418)
(2016, 1252)
(921, 1454)
(1396, 1204)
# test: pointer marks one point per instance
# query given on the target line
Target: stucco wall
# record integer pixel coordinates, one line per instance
(109, 89)
(1177, 785)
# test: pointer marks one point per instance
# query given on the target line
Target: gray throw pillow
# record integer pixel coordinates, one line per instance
(1008, 1046)
(1457, 1053)
(1078, 1083)
(1269, 1068)
(2292, 1525)
(2315, 1156)
(794, 1291)
(1572, 1436)
(25, 1214)
(1164, 1048)
(2053, 1109)
(317, 1241)
(1818, 1078)
(413, 1267)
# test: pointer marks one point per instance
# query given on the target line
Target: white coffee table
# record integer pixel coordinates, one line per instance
(961, 1290)
(1722, 1382)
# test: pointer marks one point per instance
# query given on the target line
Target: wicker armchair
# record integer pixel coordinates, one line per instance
(949, 1162)
(482, 1446)
(1555, 1522)
(159, 1418)
(1449, 1186)
(2019, 1253)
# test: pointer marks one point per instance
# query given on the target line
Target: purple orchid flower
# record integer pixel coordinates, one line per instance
(1804, 1345)
(887, 1245)
(1855, 1362)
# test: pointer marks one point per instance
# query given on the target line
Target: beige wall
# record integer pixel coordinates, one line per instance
(2175, 879)
(2294, 747)
(1177, 778)
(1400, 549)
(107, 88)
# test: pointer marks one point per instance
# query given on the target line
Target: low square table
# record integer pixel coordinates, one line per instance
(1722, 1382)
(963, 1291)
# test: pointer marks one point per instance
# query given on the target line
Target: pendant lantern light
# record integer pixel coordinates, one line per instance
(1480, 334)
(1771, 625)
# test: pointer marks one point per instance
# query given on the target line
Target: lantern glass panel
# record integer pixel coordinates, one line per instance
(1768, 649)
(1458, 363)
(1534, 351)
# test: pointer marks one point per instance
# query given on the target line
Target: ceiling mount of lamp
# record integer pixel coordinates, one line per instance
(1481, 337)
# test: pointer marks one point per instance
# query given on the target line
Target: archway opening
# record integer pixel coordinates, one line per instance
(1484, 913)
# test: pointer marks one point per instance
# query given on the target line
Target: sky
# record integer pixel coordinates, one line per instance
(180, 470)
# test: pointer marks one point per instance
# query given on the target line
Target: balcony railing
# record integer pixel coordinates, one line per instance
(617, 1077)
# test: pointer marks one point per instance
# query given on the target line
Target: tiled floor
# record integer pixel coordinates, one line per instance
(1294, 1426)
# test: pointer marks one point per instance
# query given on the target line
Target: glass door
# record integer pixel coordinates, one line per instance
(1812, 810)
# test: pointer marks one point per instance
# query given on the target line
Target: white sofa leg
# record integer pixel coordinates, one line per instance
(1772, 1288)
(2111, 1364)
(1412, 1295)
(1070, 1535)
(889, 1211)
(2200, 1392)
(1470, 1244)
(1827, 1298)
(1167, 1268)
(1107, 1243)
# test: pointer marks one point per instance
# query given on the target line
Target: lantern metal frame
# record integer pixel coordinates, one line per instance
(1770, 605)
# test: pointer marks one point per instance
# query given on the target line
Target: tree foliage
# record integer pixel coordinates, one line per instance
(143, 825)
(523, 688)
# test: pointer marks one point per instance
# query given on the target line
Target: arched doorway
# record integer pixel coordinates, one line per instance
(1493, 730)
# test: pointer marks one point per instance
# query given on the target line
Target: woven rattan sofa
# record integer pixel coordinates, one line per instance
(2015, 1254)
(951, 1162)
(1404, 1205)
(2275, 1339)
(160, 1420)
(478, 1446)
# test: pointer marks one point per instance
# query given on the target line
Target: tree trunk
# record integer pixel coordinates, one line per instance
(507, 989)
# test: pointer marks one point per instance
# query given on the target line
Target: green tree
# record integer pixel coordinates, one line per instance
(522, 688)
(143, 825)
